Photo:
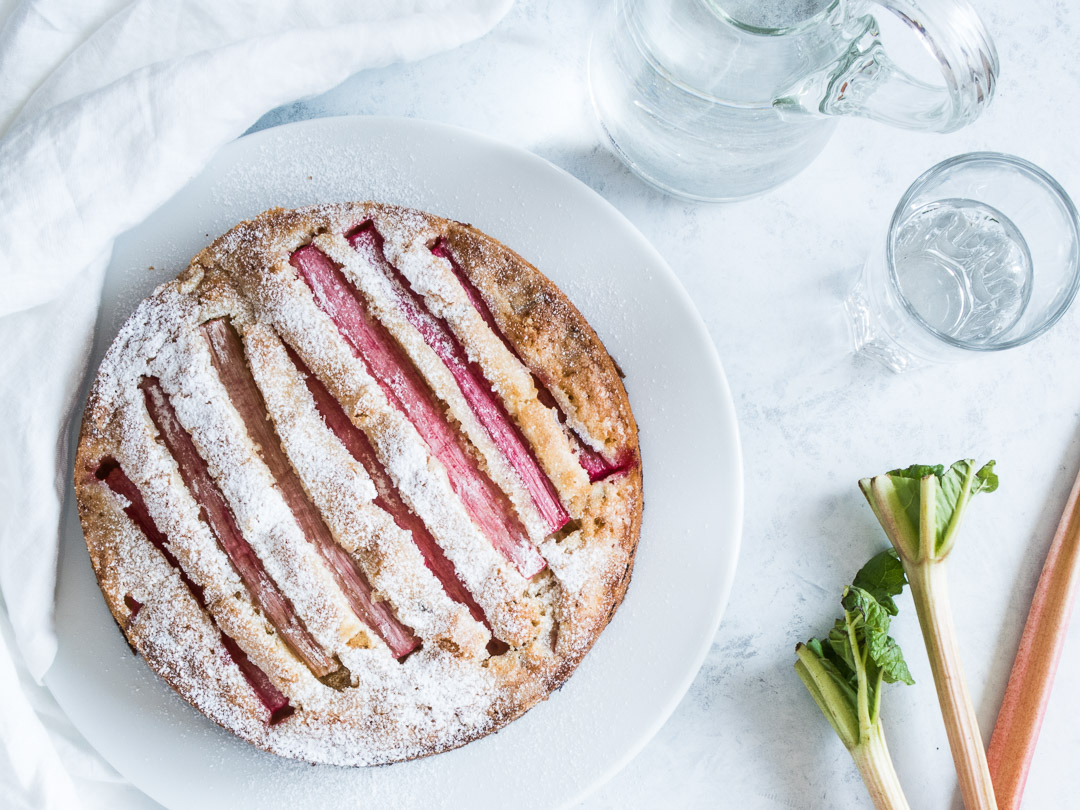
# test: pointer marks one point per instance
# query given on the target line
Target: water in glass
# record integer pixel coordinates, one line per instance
(964, 268)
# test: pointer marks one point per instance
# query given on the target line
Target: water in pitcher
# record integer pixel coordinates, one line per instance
(723, 99)
(771, 15)
(964, 267)
(685, 90)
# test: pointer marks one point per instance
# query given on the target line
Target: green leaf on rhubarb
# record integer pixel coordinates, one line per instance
(986, 479)
(837, 649)
(908, 489)
(874, 651)
(882, 649)
(883, 577)
(890, 661)
(845, 671)
(955, 487)
(918, 472)
(837, 668)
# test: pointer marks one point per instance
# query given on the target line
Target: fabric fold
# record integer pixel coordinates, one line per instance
(107, 109)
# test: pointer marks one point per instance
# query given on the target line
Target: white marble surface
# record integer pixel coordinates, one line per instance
(768, 276)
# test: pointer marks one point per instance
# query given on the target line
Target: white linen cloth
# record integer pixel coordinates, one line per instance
(108, 107)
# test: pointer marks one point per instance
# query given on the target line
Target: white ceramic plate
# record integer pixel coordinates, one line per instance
(643, 663)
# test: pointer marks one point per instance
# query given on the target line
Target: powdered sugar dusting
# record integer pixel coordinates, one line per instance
(378, 291)
(408, 249)
(343, 492)
(447, 692)
(285, 301)
(202, 405)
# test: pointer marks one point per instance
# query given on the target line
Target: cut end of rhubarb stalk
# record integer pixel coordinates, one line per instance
(599, 468)
(269, 695)
(497, 647)
(230, 361)
(404, 388)
(133, 604)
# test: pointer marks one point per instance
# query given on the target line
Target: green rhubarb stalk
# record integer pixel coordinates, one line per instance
(844, 673)
(921, 509)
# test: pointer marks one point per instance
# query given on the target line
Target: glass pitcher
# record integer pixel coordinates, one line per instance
(724, 99)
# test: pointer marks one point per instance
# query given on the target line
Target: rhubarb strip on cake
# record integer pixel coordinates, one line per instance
(219, 517)
(387, 364)
(592, 461)
(110, 472)
(388, 498)
(488, 408)
(230, 362)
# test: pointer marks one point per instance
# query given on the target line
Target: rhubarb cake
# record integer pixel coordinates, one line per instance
(361, 484)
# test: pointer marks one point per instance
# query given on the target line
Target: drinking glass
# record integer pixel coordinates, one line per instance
(982, 254)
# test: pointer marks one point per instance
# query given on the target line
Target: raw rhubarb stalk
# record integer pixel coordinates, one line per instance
(215, 511)
(230, 361)
(595, 464)
(921, 509)
(488, 409)
(1031, 682)
(116, 479)
(404, 388)
(387, 496)
(846, 672)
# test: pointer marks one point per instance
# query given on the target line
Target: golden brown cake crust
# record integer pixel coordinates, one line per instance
(451, 690)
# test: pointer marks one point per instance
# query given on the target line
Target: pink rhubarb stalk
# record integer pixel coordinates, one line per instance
(1031, 682)
(489, 409)
(278, 610)
(387, 496)
(116, 479)
(230, 361)
(595, 464)
(405, 389)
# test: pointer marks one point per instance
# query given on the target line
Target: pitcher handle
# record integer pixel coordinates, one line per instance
(867, 83)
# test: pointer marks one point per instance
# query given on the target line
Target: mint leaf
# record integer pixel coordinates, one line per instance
(881, 648)
(883, 577)
(892, 664)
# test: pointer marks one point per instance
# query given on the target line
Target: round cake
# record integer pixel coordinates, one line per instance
(361, 484)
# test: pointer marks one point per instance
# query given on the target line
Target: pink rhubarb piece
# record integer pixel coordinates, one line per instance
(387, 496)
(116, 479)
(215, 511)
(227, 351)
(405, 389)
(489, 410)
(596, 465)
